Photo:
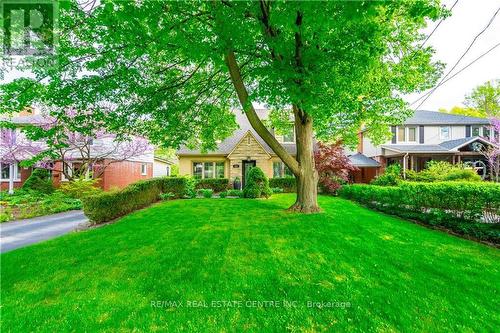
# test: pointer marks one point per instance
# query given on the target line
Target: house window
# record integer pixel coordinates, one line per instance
(486, 132)
(476, 131)
(281, 170)
(208, 170)
(198, 170)
(401, 134)
(412, 134)
(5, 171)
(144, 169)
(444, 132)
(167, 170)
(289, 136)
(219, 169)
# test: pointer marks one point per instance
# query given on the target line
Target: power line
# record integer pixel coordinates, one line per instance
(459, 59)
(460, 71)
(437, 26)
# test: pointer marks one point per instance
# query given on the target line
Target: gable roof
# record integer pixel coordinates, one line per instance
(227, 145)
(444, 147)
(243, 137)
(423, 117)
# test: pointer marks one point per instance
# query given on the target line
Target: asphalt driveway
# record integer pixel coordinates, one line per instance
(29, 231)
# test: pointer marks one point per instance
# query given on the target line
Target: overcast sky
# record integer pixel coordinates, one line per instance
(450, 40)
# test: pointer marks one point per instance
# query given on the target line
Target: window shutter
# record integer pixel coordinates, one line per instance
(467, 131)
(393, 131)
(421, 134)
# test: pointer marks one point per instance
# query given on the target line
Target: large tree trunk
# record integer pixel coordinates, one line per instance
(303, 165)
(307, 180)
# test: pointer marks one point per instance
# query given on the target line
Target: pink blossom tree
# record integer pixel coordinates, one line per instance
(15, 148)
(492, 153)
(80, 143)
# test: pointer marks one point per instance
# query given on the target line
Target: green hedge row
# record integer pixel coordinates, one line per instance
(467, 208)
(215, 184)
(288, 184)
(110, 205)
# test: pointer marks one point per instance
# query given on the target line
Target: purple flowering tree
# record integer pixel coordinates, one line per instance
(75, 144)
(15, 148)
(492, 153)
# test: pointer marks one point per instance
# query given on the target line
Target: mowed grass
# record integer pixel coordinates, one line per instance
(381, 274)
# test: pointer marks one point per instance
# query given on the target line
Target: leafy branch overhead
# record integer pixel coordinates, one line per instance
(161, 64)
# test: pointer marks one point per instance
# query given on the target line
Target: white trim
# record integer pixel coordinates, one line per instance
(441, 133)
(17, 174)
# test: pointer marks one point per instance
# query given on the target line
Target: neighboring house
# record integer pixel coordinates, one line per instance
(430, 135)
(118, 173)
(245, 149)
(162, 167)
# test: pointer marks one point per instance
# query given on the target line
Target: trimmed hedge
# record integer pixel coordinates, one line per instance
(110, 205)
(215, 184)
(467, 208)
(288, 184)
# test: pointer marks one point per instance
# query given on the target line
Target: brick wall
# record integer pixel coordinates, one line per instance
(121, 174)
(25, 173)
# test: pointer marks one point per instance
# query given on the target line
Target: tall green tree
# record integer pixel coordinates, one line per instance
(486, 99)
(467, 111)
(174, 70)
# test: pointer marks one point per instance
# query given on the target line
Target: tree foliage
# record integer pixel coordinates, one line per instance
(486, 99)
(161, 64)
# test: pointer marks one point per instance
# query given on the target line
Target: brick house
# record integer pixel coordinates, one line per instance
(117, 174)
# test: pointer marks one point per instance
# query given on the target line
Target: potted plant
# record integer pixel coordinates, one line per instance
(237, 183)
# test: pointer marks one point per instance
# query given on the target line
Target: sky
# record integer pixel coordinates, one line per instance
(450, 40)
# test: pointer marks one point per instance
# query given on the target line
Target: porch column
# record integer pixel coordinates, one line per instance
(11, 178)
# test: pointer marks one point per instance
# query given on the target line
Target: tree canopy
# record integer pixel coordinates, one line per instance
(162, 63)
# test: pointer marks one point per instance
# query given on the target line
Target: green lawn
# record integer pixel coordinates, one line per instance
(395, 275)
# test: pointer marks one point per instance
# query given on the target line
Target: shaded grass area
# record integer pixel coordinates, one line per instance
(380, 273)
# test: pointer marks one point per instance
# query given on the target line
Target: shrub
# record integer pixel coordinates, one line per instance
(39, 181)
(288, 184)
(390, 177)
(180, 187)
(235, 193)
(216, 184)
(223, 194)
(463, 207)
(110, 205)
(277, 190)
(206, 192)
(257, 184)
(167, 196)
(80, 188)
(443, 171)
(463, 175)
(333, 166)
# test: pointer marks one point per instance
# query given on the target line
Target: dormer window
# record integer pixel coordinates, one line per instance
(445, 132)
(476, 130)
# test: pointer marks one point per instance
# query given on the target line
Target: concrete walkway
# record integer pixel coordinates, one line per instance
(25, 232)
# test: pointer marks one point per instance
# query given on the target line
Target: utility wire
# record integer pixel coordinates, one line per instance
(459, 59)
(437, 26)
(460, 71)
